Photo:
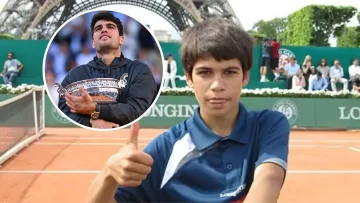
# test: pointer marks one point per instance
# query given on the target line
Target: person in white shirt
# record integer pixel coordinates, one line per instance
(170, 71)
(354, 70)
(337, 76)
(12, 67)
(298, 81)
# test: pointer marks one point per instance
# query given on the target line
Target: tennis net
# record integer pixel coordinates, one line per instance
(21, 121)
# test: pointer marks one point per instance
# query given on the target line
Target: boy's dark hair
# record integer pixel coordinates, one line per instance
(217, 38)
(108, 17)
(319, 74)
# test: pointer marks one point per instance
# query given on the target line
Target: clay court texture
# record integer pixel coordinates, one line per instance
(324, 166)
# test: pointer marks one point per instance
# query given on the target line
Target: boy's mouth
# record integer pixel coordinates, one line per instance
(217, 100)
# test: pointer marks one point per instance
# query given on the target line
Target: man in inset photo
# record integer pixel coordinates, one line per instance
(138, 87)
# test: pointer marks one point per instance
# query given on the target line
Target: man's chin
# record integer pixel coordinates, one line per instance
(105, 47)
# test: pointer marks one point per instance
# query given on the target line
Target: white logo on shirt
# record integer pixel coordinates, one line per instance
(234, 193)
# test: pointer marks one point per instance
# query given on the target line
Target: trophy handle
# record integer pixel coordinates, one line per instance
(60, 90)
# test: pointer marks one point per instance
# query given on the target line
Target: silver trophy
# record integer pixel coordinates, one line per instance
(101, 90)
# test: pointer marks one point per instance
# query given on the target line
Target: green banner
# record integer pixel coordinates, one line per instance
(170, 110)
(301, 113)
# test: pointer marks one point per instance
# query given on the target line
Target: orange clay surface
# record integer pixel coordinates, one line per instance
(324, 167)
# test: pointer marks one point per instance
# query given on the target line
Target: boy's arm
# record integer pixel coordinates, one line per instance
(272, 159)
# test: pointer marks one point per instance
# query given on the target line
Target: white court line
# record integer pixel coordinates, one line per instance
(355, 149)
(334, 146)
(302, 146)
(341, 141)
(324, 171)
(96, 171)
(295, 140)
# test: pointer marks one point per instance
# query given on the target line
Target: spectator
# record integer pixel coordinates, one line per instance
(312, 76)
(85, 55)
(324, 69)
(12, 67)
(265, 59)
(298, 81)
(275, 46)
(337, 76)
(291, 69)
(319, 82)
(354, 70)
(171, 69)
(356, 85)
(306, 68)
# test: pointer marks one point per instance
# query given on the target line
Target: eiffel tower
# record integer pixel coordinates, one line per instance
(39, 19)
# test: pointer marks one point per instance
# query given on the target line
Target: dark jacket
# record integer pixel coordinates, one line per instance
(138, 94)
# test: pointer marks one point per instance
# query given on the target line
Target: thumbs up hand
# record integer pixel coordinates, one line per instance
(129, 167)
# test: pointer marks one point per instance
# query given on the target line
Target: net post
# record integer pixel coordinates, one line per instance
(35, 114)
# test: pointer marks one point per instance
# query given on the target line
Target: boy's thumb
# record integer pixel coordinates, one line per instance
(134, 133)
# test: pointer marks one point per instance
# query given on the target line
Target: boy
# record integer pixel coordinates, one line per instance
(223, 153)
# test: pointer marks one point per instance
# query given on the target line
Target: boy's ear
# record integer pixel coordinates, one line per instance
(189, 81)
(246, 78)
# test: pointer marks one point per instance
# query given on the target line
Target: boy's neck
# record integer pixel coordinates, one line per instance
(222, 125)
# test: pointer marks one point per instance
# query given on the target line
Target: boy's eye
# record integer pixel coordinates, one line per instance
(204, 72)
(229, 72)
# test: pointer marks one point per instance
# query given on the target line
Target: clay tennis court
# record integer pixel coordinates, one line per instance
(324, 167)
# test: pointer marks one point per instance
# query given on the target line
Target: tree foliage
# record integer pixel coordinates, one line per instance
(6, 37)
(350, 37)
(272, 28)
(315, 24)
(259, 38)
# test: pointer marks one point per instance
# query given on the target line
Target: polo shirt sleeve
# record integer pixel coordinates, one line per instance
(149, 190)
(273, 139)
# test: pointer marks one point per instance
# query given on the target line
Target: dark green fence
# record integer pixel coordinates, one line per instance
(301, 112)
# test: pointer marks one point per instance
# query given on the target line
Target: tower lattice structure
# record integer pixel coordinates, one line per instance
(39, 19)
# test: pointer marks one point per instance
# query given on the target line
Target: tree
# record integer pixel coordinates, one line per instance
(6, 37)
(272, 28)
(313, 25)
(259, 38)
(350, 37)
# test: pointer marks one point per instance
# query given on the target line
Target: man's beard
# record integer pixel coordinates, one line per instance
(107, 47)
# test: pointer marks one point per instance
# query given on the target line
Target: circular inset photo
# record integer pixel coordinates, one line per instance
(103, 70)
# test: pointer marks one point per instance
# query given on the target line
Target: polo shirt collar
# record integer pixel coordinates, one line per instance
(203, 137)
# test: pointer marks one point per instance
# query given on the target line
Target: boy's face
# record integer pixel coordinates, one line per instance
(217, 85)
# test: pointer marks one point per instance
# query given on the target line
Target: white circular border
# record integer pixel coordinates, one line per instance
(99, 129)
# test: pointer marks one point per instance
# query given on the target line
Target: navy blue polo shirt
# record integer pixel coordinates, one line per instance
(193, 164)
